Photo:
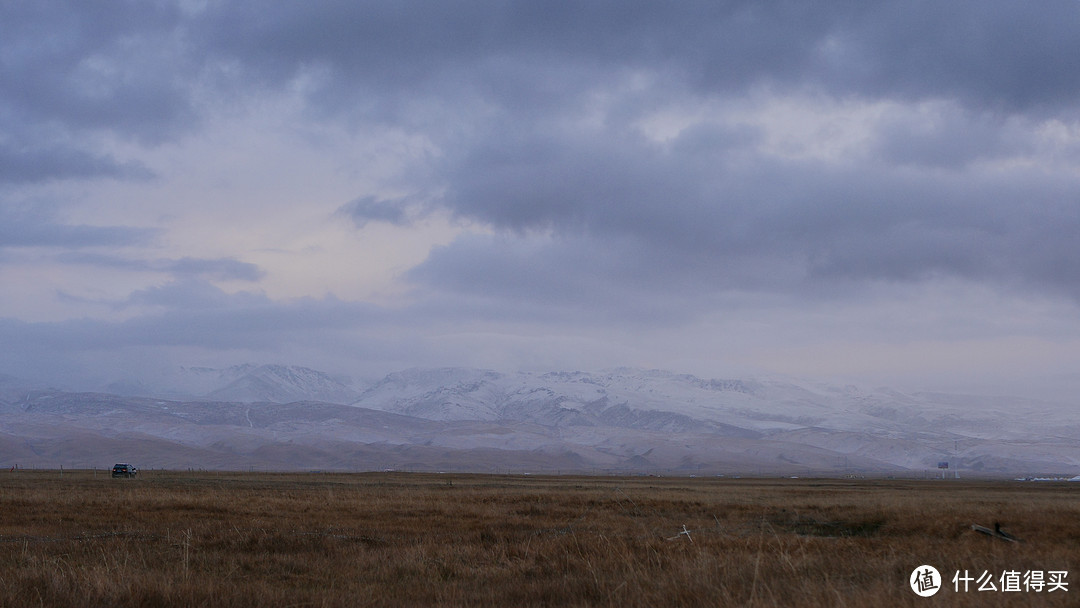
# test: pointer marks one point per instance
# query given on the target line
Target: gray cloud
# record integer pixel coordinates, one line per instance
(76, 74)
(33, 165)
(533, 114)
(194, 297)
(951, 139)
(35, 226)
(400, 211)
(200, 322)
(196, 314)
(708, 212)
(138, 69)
(224, 269)
(990, 54)
(698, 212)
(586, 280)
(73, 67)
(998, 55)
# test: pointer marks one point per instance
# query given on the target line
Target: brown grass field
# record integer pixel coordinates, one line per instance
(387, 539)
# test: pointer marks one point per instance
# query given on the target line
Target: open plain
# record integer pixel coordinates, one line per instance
(172, 538)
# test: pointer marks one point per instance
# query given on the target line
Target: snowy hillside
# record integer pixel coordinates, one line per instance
(912, 431)
(242, 383)
(622, 420)
(640, 397)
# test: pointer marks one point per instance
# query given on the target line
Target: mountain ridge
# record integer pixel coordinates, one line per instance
(619, 420)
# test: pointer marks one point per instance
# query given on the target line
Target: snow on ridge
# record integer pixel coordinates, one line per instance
(755, 404)
(465, 394)
(613, 416)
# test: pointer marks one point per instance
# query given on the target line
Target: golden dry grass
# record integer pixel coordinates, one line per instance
(220, 539)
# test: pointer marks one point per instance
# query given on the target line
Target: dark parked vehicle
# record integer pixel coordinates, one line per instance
(124, 470)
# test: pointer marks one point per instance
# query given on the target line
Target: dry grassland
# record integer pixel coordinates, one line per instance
(217, 539)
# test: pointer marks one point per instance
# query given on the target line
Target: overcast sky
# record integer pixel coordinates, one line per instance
(886, 192)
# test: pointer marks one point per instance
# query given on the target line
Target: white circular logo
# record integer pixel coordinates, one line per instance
(925, 581)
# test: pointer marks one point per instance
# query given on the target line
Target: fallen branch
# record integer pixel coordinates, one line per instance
(997, 532)
(684, 531)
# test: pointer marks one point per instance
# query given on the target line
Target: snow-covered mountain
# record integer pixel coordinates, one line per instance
(621, 420)
(638, 398)
(912, 431)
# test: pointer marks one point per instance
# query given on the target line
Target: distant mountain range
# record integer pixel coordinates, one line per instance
(243, 384)
(623, 420)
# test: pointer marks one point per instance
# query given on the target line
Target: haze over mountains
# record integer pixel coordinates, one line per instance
(243, 383)
(621, 420)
